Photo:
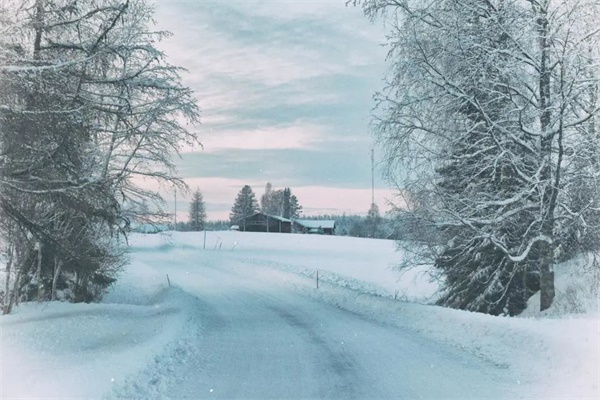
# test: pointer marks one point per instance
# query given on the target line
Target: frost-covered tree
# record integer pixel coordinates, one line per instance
(197, 218)
(87, 103)
(265, 199)
(488, 119)
(245, 205)
(272, 201)
(373, 222)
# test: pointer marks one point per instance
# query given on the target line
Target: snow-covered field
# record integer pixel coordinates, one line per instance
(366, 265)
(145, 338)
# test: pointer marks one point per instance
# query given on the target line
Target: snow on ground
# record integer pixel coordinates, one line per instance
(130, 345)
(563, 353)
(62, 350)
(555, 358)
(577, 285)
(366, 265)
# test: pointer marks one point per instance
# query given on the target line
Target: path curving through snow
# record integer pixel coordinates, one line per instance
(259, 339)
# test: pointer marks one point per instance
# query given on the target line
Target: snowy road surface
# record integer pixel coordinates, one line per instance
(258, 339)
(244, 320)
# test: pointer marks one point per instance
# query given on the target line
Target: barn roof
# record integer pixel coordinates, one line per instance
(316, 223)
(279, 218)
(266, 215)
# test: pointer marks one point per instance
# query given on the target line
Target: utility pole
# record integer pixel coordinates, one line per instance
(372, 175)
(175, 208)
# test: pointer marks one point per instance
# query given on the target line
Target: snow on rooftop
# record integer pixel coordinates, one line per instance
(316, 223)
(279, 218)
(267, 215)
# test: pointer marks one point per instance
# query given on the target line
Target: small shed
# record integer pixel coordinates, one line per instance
(318, 226)
(260, 222)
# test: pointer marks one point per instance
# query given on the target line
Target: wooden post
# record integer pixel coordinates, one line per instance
(204, 245)
(168, 280)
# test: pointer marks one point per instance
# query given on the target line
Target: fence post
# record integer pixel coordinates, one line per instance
(317, 279)
(168, 280)
(204, 245)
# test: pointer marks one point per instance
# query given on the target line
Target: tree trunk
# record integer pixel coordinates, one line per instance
(546, 279)
(551, 190)
(40, 295)
(14, 295)
(7, 294)
(57, 269)
(39, 9)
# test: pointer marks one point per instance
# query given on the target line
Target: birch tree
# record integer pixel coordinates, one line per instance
(487, 115)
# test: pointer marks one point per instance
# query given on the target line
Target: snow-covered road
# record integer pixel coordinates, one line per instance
(259, 339)
(243, 319)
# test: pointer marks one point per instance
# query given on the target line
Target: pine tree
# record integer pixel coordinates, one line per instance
(197, 212)
(295, 207)
(287, 211)
(245, 205)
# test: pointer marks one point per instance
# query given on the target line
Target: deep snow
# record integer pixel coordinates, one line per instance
(148, 341)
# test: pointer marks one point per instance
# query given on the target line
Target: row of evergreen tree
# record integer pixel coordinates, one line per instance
(373, 225)
(276, 202)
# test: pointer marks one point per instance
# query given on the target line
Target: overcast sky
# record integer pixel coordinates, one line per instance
(285, 89)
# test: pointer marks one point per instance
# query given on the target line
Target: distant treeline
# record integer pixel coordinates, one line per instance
(346, 225)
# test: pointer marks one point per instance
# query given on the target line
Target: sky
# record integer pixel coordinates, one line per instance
(285, 91)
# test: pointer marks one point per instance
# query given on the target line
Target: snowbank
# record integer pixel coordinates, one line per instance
(62, 350)
(577, 285)
(556, 358)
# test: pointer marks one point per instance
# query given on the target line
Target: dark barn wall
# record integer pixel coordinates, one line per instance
(258, 223)
(302, 229)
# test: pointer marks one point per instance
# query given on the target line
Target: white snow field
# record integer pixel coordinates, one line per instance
(243, 319)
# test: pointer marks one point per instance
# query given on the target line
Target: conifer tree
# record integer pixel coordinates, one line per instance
(287, 211)
(197, 212)
(245, 205)
(295, 207)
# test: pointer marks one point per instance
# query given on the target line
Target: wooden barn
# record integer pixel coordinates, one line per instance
(318, 226)
(260, 222)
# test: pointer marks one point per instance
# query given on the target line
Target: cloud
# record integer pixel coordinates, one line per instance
(285, 89)
(338, 164)
(240, 53)
(284, 136)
